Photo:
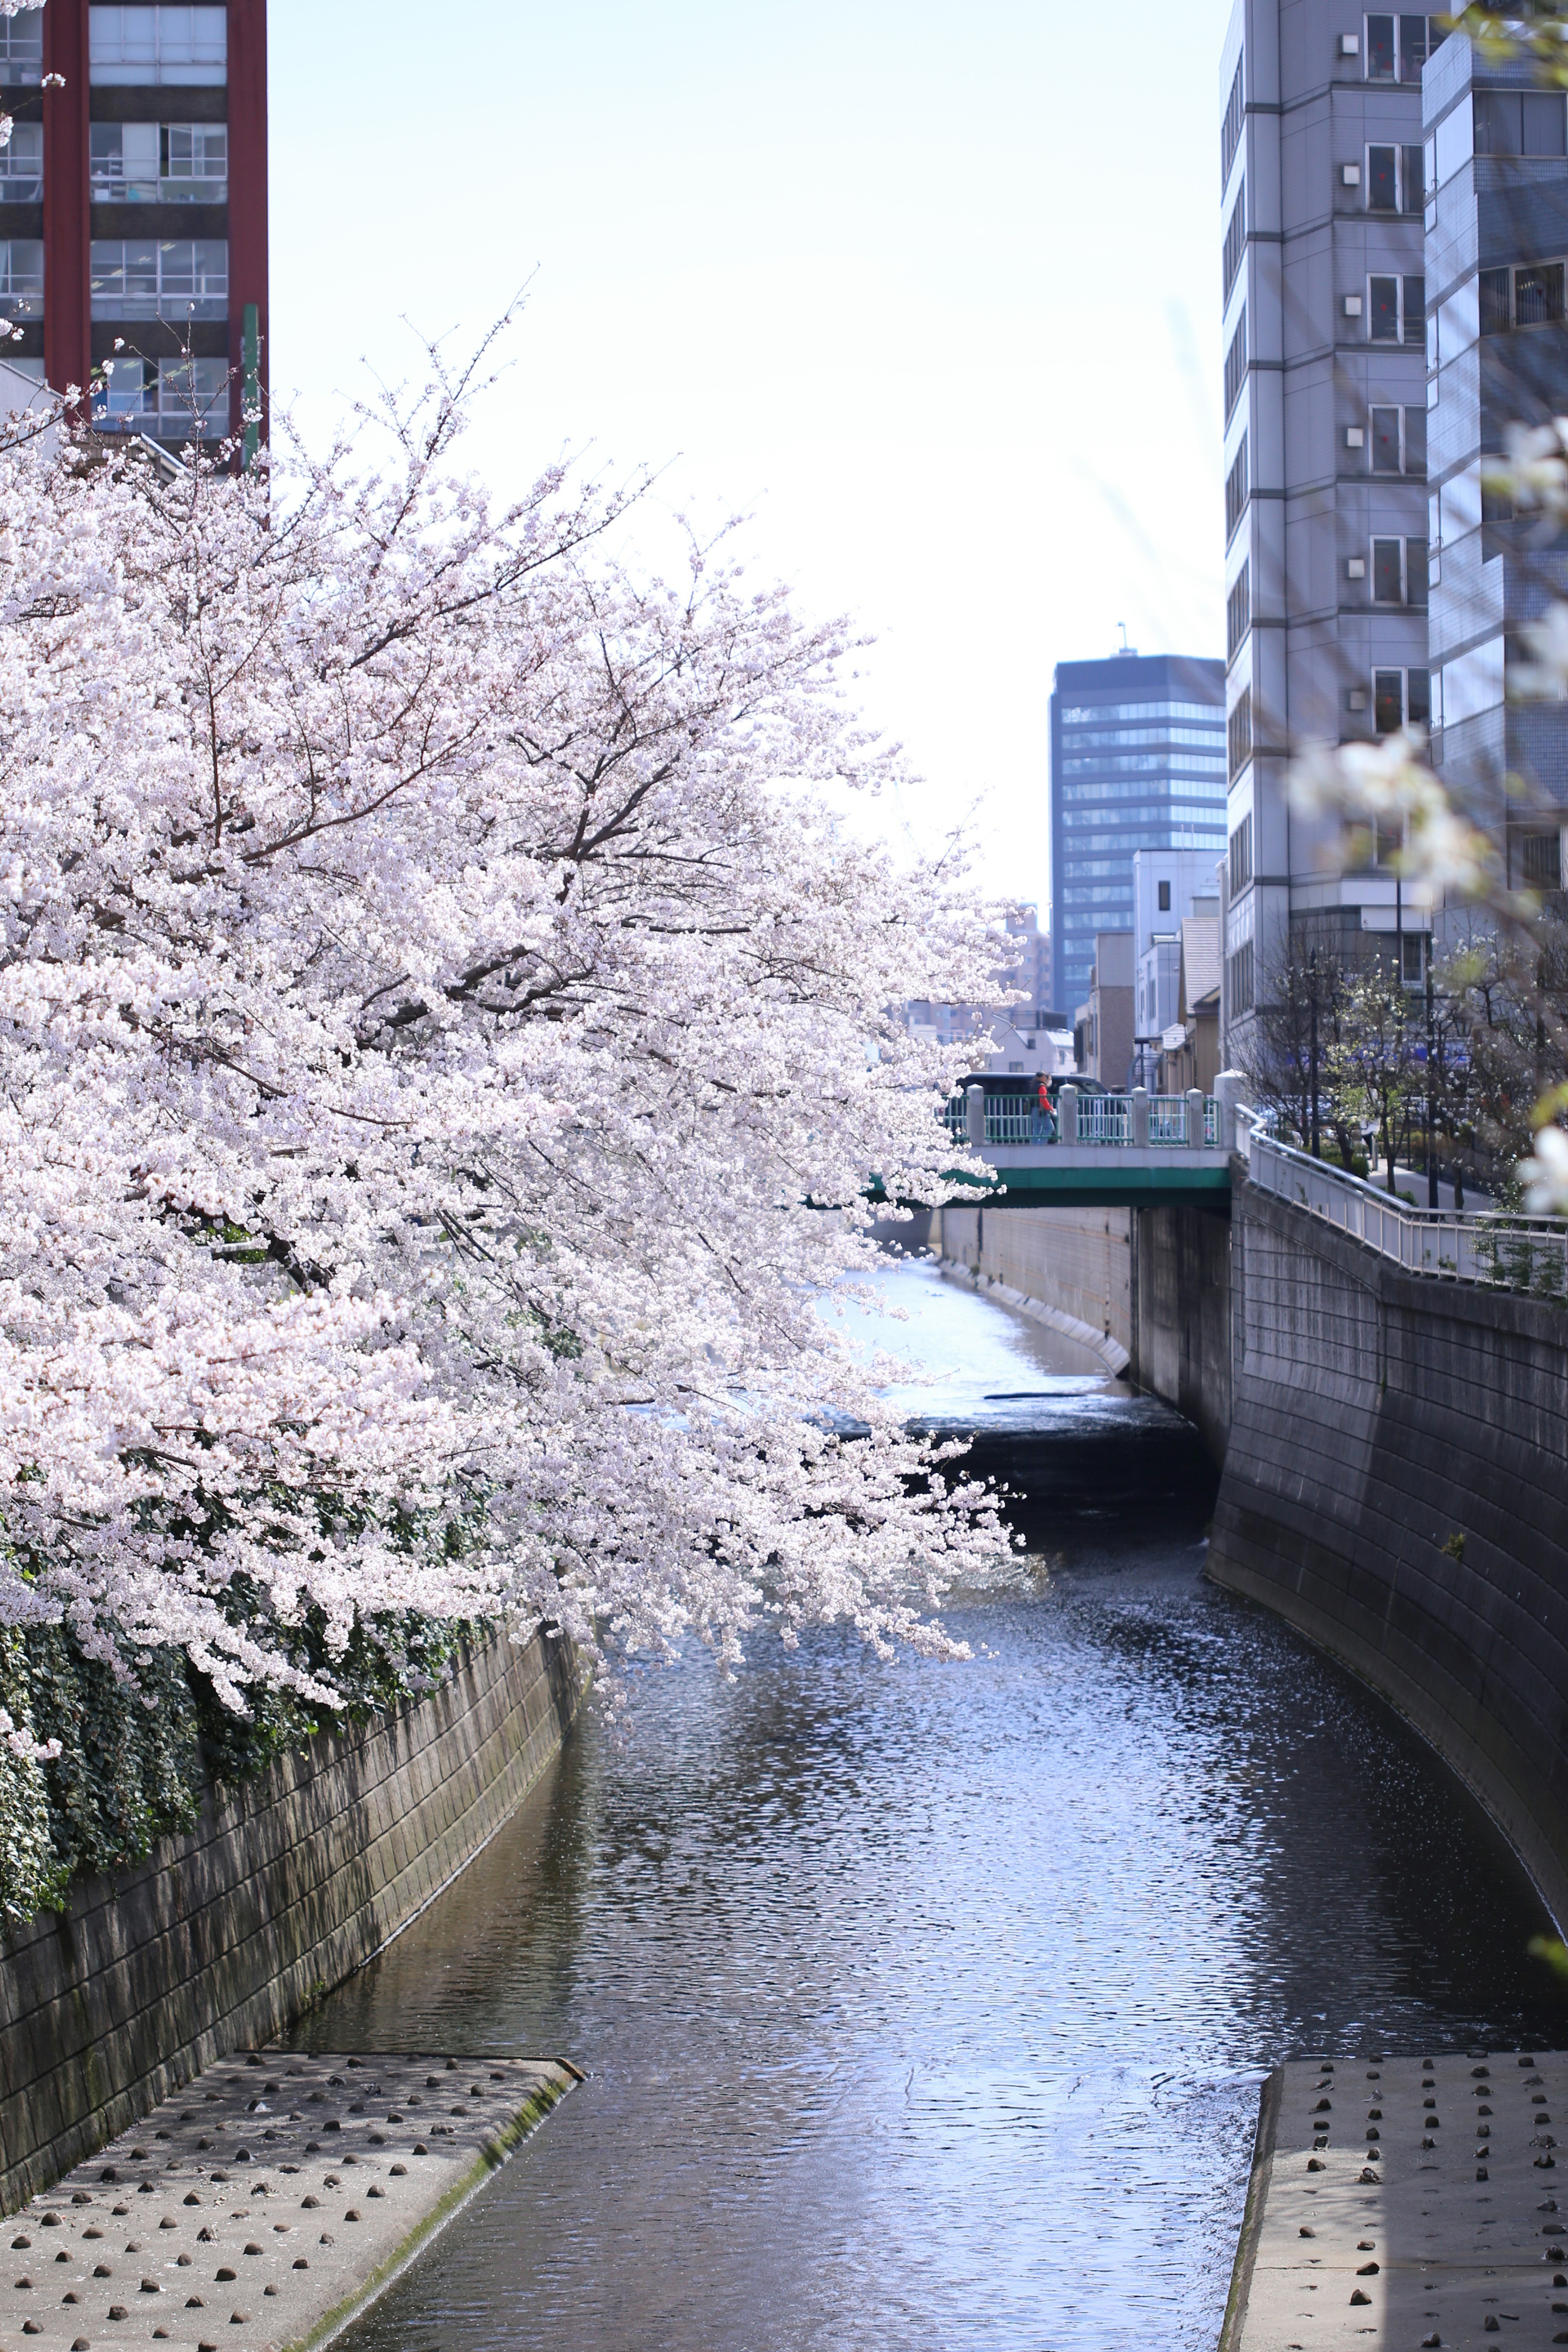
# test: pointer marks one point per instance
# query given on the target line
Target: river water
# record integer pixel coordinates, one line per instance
(926, 2006)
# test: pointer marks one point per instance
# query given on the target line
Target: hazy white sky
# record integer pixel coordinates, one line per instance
(931, 291)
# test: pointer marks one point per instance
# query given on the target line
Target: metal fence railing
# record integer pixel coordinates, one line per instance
(1110, 1120)
(1512, 1253)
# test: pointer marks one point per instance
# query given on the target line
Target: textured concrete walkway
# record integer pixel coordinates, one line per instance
(264, 2203)
(1407, 2202)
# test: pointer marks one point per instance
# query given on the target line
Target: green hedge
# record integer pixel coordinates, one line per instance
(139, 1750)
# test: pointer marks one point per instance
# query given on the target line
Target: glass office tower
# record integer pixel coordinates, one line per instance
(1138, 762)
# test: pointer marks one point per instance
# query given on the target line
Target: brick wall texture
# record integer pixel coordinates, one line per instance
(288, 1885)
(1396, 1486)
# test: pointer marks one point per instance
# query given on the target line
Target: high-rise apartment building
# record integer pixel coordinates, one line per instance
(1137, 762)
(1496, 185)
(133, 209)
(1322, 202)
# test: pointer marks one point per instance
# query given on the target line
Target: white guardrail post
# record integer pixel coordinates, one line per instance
(1140, 1119)
(974, 1108)
(1194, 1119)
(1228, 1093)
(1067, 1114)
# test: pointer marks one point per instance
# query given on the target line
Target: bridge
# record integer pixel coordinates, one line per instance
(1134, 1150)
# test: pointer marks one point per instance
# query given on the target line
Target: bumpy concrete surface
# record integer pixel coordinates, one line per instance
(1407, 2202)
(265, 2204)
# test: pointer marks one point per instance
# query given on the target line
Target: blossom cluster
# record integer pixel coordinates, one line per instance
(445, 1043)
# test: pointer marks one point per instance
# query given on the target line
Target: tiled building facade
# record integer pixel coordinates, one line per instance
(1323, 205)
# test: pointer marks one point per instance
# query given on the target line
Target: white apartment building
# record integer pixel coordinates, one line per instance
(1325, 452)
(1167, 885)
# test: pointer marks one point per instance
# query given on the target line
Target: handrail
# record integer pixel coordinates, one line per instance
(1102, 1119)
(1482, 1245)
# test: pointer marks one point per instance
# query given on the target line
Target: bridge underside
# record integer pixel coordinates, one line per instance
(1086, 1176)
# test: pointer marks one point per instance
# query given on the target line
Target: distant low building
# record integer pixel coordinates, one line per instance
(1020, 1034)
(1106, 1052)
(1190, 1053)
(1167, 885)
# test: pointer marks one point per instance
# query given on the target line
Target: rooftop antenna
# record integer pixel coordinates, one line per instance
(1131, 651)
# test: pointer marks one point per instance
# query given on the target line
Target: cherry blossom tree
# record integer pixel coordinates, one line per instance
(446, 1044)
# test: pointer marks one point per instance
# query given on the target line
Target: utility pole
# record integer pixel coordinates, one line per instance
(1312, 1062)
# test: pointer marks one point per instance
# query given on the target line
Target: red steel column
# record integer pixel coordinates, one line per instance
(246, 191)
(68, 298)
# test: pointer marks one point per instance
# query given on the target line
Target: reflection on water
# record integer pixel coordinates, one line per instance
(967, 1355)
(926, 2005)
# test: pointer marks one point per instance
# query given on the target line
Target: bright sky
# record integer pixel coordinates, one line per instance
(931, 291)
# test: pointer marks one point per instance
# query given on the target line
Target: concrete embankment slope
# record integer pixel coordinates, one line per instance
(1404, 2201)
(287, 1884)
(1396, 1484)
(267, 2203)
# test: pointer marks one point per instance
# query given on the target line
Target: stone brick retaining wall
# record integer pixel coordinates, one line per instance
(1396, 1484)
(288, 1885)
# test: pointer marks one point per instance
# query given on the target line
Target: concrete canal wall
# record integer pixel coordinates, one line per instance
(1395, 1453)
(1156, 1282)
(1396, 1484)
(287, 1884)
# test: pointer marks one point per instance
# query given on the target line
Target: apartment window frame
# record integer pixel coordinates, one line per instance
(1235, 248)
(1162, 893)
(1241, 978)
(169, 47)
(22, 164)
(21, 49)
(1238, 732)
(1239, 610)
(1236, 364)
(1407, 47)
(1396, 307)
(1402, 441)
(1237, 492)
(22, 282)
(1519, 125)
(163, 169)
(1233, 125)
(158, 292)
(1541, 859)
(1399, 574)
(1400, 698)
(1240, 855)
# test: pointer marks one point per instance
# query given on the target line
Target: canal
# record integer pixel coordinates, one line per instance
(926, 2006)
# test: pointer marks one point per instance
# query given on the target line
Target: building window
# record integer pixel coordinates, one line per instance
(1239, 979)
(22, 161)
(1387, 572)
(138, 44)
(22, 276)
(1382, 179)
(1238, 612)
(1380, 48)
(1416, 573)
(1241, 858)
(21, 49)
(1230, 130)
(1413, 177)
(1419, 37)
(150, 162)
(1236, 364)
(1164, 897)
(1236, 491)
(1384, 440)
(1235, 239)
(1238, 731)
(1540, 861)
(1382, 309)
(1388, 700)
(1419, 696)
(1496, 316)
(179, 399)
(160, 277)
(1538, 295)
(1416, 441)
(1413, 295)
(1520, 122)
